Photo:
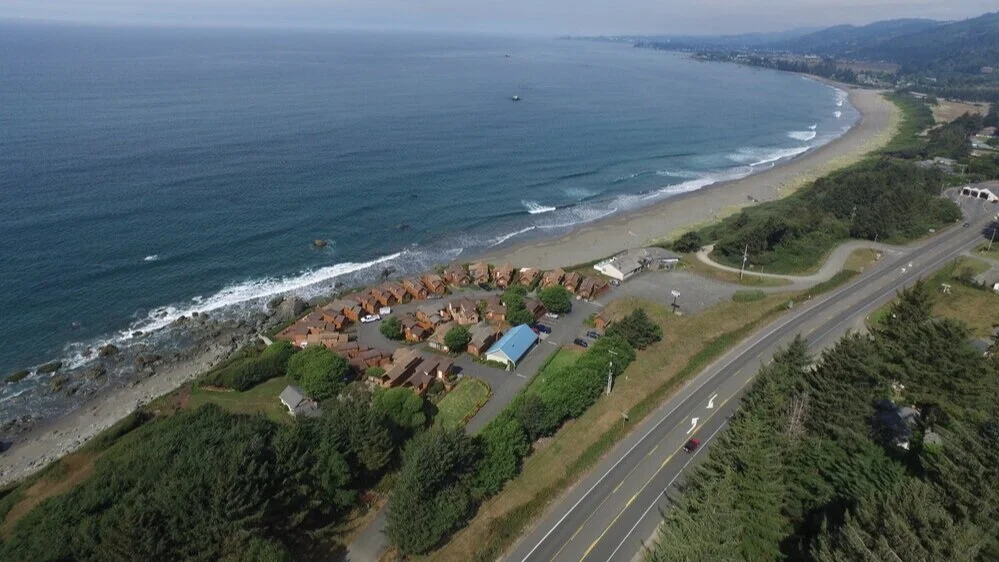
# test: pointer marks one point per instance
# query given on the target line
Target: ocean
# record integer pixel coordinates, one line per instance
(148, 173)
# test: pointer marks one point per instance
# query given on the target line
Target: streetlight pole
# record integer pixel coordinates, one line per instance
(991, 240)
(745, 256)
(610, 372)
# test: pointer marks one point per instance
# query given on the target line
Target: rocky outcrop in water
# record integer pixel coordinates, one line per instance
(50, 367)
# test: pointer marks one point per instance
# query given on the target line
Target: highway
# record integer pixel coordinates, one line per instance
(614, 511)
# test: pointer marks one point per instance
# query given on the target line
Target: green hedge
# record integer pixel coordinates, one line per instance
(247, 372)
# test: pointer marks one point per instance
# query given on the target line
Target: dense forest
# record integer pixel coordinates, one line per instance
(885, 448)
(950, 59)
(212, 485)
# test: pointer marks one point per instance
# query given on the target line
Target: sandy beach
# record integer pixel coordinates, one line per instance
(60, 436)
(878, 121)
(879, 118)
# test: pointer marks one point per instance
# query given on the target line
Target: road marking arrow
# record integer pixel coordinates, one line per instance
(711, 401)
(693, 424)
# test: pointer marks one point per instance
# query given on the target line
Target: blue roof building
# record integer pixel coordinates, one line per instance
(513, 346)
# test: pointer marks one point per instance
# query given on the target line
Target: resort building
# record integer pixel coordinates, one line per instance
(483, 336)
(480, 273)
(463, 311)
(552, 278)
(495, 311)
(981, 191)
(513, 346)
(627, 264)
(397, 291)
(434, 283)
(415, 288)
(528, 276)
(437, 339)
(456, 275)
(297, 402)
(571, 281)
(503, 276)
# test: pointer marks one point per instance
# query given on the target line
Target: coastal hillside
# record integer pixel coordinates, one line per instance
(841, 40)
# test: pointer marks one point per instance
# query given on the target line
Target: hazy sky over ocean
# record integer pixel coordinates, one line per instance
(514, 16)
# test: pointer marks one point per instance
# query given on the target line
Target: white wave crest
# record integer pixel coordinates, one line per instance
(250, 291)
(803, 136)
(152, 257)
(756, 157)
(682, 174)
(579, 192)
(535, 208)
(504, 237)
(837, 114)
(813, 126)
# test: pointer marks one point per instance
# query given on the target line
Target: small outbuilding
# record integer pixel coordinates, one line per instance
(513, 346)
(297, 402)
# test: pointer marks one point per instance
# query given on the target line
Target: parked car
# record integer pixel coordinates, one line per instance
(692, 445)
(543, 329)
(551, 315)
(369, 318)
(581, 342)
(615, 282)
(593, 334)
(385, 311)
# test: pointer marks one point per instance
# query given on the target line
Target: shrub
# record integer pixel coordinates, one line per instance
(456, 339)
(391, 328)
(504, 444)
(637, 329)
(374, 372)
(556, 299)
(247, 372)
(402, 407)
(689, 242)
(534, 416)
(321, 372)
(433, 494)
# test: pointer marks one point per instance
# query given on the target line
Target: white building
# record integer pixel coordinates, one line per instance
(984, 193)
(627, 264)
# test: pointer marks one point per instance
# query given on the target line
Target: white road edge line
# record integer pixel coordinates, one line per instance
(656, 501)
(756, 341)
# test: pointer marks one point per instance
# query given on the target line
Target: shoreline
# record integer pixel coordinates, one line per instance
(52, 439)
(671, 217)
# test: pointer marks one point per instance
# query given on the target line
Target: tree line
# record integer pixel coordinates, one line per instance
(446, 473)
(813, 467)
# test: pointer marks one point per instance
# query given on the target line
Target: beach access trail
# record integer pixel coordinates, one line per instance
(834, 263)
(878, 122)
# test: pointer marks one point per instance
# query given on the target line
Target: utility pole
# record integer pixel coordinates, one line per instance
(745, 256)
(991, 240)
(610, 372)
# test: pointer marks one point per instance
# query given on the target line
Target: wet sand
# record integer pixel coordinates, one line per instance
(666, 220)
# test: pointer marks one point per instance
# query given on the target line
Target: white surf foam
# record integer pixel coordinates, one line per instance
(756, 157)
(838, 114)
(813, 126)
(579, 192)
(682, 174)
(153, 257)
(535, 208)
(249, 291)
(803, 136)
(504, 237)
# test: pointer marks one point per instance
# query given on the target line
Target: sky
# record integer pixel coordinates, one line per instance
(549, 17)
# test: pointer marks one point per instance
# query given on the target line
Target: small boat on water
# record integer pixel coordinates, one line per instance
(515, 98)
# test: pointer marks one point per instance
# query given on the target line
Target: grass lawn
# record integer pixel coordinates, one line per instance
(984, 250)
(860, 259)
(689, 344)
(459, 405)
(978, 308)
(262, 399)
(694, 265)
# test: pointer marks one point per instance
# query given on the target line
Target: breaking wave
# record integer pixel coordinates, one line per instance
(803, 136)
(535, 208)
(153, 257)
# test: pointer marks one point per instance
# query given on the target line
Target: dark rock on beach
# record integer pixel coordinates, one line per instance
(146, 359)
(17, 376)
(108, 350)
(59, 382)
(96, 372)
(290, 309)
(50, 367)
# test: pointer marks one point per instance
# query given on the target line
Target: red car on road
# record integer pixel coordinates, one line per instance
(692, 445)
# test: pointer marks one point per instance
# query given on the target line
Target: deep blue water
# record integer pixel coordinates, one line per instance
(144, 168)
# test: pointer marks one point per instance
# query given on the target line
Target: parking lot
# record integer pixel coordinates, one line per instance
(696, 293)
(504, 384)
